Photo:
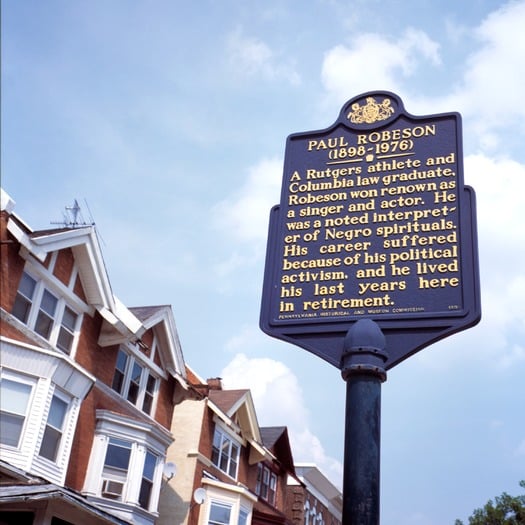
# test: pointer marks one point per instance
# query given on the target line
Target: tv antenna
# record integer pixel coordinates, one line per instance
(73, 218)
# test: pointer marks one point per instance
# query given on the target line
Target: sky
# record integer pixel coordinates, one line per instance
(167, 121)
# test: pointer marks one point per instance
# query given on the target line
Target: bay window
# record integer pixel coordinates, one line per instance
(125, 466)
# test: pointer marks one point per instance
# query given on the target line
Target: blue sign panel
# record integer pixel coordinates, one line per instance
(374, 221)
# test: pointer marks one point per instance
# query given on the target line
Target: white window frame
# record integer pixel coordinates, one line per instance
(266, 486)
(225, 438)
(57, 318)
(24, 380)
(237, 497)
(224, 505)
(127, 380)
(143, 438)
(63, 430)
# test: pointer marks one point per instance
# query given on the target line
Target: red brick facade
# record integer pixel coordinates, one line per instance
(92, 362)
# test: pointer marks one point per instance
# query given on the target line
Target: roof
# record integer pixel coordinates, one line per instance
(121, 324)
(276, 439)
(236, 409)
(143, 313)
(227, 399)
(270, 435)
(47, 492)
(162, 316)
(313, 478)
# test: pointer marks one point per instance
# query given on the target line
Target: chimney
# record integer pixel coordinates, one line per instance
(214, 383)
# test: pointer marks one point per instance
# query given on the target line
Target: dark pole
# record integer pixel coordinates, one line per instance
(362, 369)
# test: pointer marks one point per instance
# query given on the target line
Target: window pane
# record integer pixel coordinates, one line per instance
(65, 340)
(220, 514)
(50, 443)
(148, 394)
(147, 479)
(57, 413)
(145, 493)
(135, 374)
(133, 392)
(118, 381)
(22, 305)
(14, 396)
(122, 360)
(150, 385)
(148, 403)
(233, 460)
(120, 370)
(69, 319)
(49, 303)
(149, 465)
(243, 516)
(10, 429)
(27, 286)
(43, 325)
(118, 454)
(21, 308)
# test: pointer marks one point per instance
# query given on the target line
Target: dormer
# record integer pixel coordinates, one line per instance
(235, 426)
(141, 363)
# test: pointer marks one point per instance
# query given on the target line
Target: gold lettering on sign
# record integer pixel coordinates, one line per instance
(371, 222)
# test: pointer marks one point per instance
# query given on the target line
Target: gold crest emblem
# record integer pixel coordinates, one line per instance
(371, 112)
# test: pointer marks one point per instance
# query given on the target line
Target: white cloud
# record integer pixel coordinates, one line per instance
(279, 400)
(372, 62)
(490, 92)
(245, 215)
(499, 187)
(252, 57)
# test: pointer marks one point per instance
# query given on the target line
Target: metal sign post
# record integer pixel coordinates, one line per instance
(372, 255)
(364, 357)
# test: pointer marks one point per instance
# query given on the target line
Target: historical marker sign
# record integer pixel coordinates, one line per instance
(374, 221)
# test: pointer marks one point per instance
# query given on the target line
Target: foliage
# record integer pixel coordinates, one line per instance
(506, 510)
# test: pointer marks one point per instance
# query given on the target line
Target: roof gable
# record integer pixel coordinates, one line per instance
(162, 321)
(84, 244)
(276, 439)
(236, 409)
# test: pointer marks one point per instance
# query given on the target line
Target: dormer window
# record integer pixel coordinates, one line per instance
(225, 452)
(266, 484)
(45, 313)
(134, 382)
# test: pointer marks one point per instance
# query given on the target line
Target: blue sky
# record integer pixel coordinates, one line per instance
(169, 119)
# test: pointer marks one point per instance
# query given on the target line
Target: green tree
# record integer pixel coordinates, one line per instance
(506, 510)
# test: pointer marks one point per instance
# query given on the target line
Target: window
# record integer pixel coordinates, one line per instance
(219, 514)
(266, 484)
(54, 428)
(150, 464)
(243, 516)
(117, 459)
(225, 453)
(46, 314)
(119, 454)
(24, 298)
(49, 316)
(14, 402)
(66, 333)
(134, 382)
